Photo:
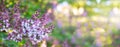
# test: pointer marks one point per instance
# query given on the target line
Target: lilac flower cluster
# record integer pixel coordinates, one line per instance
(35, 29)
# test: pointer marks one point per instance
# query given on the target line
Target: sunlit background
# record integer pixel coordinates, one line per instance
(78, 23)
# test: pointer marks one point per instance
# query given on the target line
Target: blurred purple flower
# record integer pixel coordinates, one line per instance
(59, 23)
(65, 44)
(85, 13)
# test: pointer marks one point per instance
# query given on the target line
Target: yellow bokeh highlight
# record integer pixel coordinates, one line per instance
(9, 30)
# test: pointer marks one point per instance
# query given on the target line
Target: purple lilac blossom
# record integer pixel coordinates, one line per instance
(34, 29)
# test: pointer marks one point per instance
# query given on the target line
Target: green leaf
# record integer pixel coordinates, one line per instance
(10, 43)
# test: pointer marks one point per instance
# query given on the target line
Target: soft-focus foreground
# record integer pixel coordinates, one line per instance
(78, 23)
